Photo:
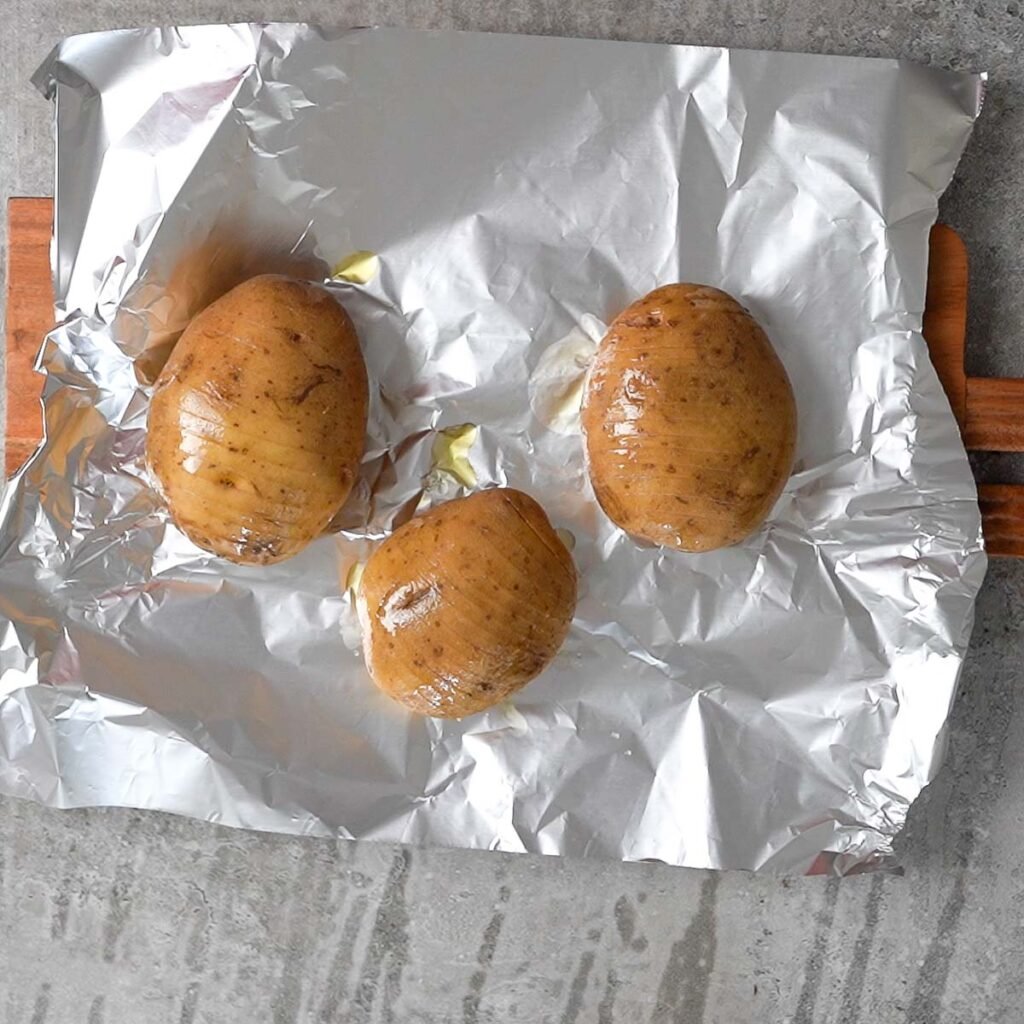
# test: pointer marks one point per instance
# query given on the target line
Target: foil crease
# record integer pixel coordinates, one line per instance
(490, 203)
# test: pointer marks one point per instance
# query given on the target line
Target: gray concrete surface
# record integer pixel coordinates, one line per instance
(119, 917)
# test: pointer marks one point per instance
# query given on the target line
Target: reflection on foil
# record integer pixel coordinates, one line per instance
(485, 205)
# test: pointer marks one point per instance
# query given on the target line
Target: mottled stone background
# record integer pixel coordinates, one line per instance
(120, 917)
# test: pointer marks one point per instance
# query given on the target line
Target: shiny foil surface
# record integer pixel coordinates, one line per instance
(484, 205)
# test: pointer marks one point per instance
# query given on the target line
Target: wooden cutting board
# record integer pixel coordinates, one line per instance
(990, 410)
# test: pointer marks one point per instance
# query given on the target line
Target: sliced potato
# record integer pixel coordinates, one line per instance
(258, 420)
(689, 419)
(465, 604)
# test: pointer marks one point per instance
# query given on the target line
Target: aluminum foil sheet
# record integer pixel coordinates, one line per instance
(484, 205)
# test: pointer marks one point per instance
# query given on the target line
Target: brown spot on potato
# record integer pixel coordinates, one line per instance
(644, 320)
(308, 390)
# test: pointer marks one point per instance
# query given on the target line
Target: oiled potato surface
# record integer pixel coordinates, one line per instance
(465, 604)
(258, 420)
(689, 420)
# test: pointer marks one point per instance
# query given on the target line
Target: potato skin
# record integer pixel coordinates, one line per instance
(258, 420)
(465, 604)
(689, 419)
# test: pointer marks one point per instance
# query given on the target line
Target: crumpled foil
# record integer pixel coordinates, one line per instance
(484, 205)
